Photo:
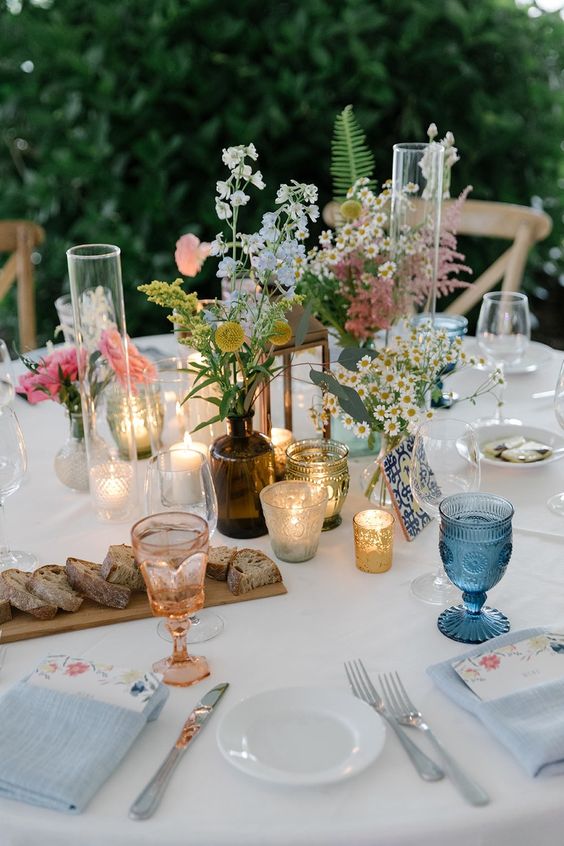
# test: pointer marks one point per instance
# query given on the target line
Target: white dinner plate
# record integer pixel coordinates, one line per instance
(486, 434)
(301, 735)
(535, 356)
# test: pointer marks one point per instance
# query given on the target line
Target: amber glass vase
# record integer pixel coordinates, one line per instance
(242, 464)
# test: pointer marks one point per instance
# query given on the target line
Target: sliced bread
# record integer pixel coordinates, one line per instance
(50, 583)
(5, 610)
(86, 578)
(119, 567)
(13, 586)
(219, 559)
(250, 569)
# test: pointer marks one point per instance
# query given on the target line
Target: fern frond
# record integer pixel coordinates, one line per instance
(351, 158)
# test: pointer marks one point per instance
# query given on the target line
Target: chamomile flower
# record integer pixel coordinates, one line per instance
(362, 429)
(392, 427)
(347, 422)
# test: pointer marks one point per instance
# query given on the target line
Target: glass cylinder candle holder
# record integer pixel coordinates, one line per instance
(146, 417)
(373, 540)
(323, 463)
(103, 354)
(281, 440)
(294, 513)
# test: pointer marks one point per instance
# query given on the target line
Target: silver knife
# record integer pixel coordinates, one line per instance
(149, 798)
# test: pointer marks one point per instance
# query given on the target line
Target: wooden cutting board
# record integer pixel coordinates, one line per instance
(24, 626)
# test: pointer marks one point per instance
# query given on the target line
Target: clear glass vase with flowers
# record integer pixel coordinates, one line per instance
(235, 337)
(55, 376)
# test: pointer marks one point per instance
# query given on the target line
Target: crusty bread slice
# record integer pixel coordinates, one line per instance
(250, 569)
(86, 578)
(5, 610)
(50, 583)
(13, 587)
(119, 567)
(219, 559)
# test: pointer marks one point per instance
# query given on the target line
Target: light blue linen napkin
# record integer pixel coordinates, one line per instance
(57, 748)
(530, 723)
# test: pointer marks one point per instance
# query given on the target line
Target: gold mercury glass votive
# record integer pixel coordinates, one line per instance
(373, 540)
(323, 463)
(294, 513)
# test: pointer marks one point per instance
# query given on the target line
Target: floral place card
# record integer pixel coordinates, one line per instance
(118, 686)
(515, 667)
(395, 467)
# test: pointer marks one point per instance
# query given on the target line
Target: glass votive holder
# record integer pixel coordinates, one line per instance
(111, 487)
(373, 540)
(281, 440)
(322, 462)
(294, 513)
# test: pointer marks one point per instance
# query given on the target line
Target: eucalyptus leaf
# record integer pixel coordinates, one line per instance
(349, 400)
(303, 324)
(350, 356)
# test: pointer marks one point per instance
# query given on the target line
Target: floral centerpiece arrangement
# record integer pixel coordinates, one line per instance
(56, 377)
(353, 281)
(235, 337)
(387, 392)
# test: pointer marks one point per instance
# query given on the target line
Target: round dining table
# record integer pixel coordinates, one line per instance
(332, 612)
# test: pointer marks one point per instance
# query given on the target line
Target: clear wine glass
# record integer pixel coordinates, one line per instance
(503, 333)
(179, 479)
(171, 551)
(556, 502)
(13, 466)
(445, 461)
(7, 391)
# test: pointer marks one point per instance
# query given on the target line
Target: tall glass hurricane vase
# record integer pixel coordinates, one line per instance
(417, 193)
(99, 322)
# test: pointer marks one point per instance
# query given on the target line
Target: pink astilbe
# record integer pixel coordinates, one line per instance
(140, 368)
(372, 308)
(190, 254)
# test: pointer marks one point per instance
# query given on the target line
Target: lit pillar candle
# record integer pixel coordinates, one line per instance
(281, 439)
(181, 482)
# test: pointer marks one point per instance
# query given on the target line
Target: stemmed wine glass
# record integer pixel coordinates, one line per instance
(7, 391)
(445, 460)
(503, 333)
(13, 466)
(475, 547)
(556, 502)
(179, 479)
(171, 551)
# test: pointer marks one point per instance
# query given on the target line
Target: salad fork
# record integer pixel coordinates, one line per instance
(363, 688)
(405, 712)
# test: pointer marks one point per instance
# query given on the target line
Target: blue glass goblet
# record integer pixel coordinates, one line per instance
(475, 547)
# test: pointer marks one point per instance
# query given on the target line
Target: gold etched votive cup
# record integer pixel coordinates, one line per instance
(323, 463)
(373, 540)
(294, 513)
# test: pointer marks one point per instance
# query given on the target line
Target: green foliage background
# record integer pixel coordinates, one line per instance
(116, 134)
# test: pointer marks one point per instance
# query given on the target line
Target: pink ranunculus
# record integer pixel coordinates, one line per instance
(190, 254)
(140, 368)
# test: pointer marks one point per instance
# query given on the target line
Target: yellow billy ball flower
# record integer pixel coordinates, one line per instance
(350, 209)
(229, 336)
(281, 333)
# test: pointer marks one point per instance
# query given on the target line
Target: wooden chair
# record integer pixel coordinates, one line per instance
(522, 225)
(20, 238)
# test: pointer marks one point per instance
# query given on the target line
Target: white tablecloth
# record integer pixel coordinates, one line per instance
(332, 612)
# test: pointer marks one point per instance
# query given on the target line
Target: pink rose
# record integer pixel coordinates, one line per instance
(190, 254)
(140, 368)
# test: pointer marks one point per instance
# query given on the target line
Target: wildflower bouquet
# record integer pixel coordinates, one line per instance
(55, 376)
(236, 336)
(389, 391)
(355, 282)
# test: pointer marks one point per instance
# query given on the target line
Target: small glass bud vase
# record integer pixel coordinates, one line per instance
(71, 463)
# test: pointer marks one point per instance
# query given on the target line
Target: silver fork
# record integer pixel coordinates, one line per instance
(405, 712)
(363, 688)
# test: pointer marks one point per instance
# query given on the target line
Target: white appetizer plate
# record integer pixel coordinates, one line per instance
(301, 735)
(487, 434)
(535, 356)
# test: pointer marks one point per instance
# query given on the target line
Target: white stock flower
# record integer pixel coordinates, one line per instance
(223, 189)
(218, 247)
(432, 131)
(251, 152)
(232, 156)
(226, 267)
(283, 194)
(257, 180)
(222, 210)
